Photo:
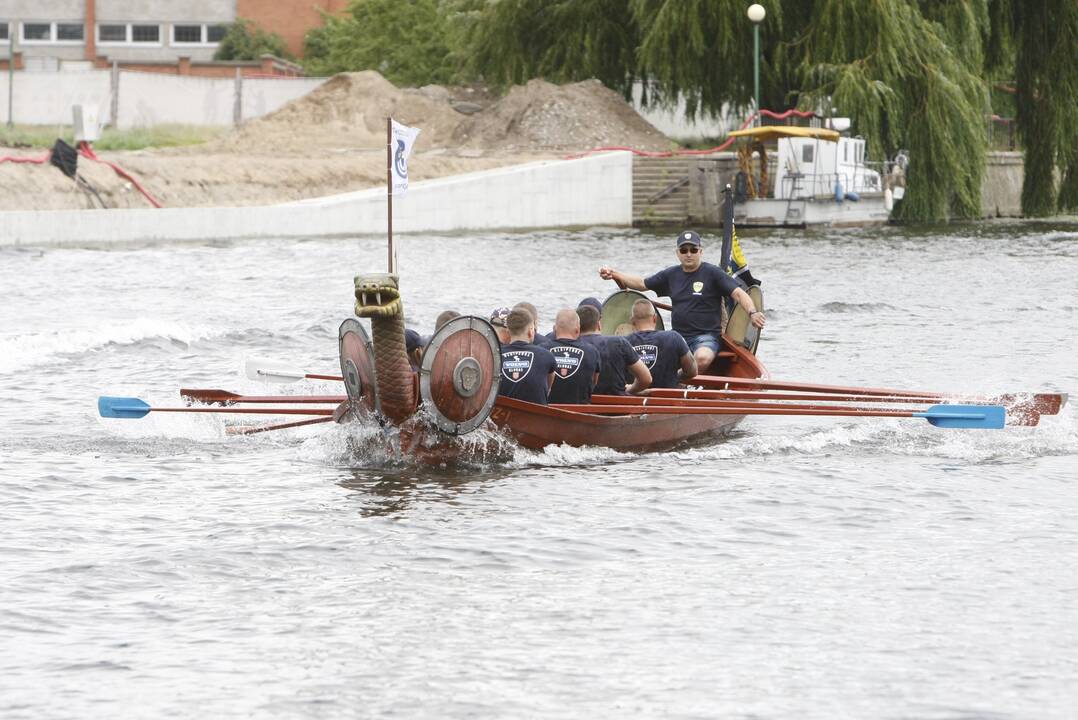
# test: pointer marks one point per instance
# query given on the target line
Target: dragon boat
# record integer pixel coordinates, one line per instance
(450, 409)
(456, 387)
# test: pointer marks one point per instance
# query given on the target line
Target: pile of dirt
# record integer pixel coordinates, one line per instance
(541, 115)
(348, 113)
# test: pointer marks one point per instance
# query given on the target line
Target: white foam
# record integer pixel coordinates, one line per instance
(21, 351)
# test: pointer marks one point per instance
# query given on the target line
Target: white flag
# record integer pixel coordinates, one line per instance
(401, 149)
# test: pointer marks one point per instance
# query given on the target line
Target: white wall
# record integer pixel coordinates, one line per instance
(673, 123)
(145, 98)
(594, 190)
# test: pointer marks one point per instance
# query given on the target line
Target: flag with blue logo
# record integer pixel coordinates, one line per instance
(401, 141)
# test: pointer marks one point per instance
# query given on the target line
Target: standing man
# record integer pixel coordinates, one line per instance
(527, 369)
(664, 352)
(696, 290)
(617, 359)
(577, 362)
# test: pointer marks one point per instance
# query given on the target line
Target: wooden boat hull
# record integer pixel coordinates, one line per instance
(536, 426)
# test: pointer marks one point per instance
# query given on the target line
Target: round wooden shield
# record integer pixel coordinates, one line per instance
(739, 329)
(357, 366)
(617, 315)
(460, 374)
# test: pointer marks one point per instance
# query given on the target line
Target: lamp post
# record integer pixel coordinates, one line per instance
(756, 13)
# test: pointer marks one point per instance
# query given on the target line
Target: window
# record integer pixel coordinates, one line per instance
(186, 34)
(111, 33)
(806, 153)
(49, 32)
(36, 31)
(69, 31)
(4, 32)
(145, 34)
(198, 34)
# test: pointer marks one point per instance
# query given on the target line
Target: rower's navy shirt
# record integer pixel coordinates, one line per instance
(661, 351)
(545, 341)
(697, 297)
(615, 357)
(525, 369)
(577, 362)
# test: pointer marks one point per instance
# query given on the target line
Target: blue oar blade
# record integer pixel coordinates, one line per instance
(988, 417)
(122, 407)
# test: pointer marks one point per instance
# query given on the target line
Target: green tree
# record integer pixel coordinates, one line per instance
(245, 41)
(408, 42)
(911, 74)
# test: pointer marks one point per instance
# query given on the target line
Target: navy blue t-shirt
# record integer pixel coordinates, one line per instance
(661, 351)
(577, 362)
(697, 297)
(545, 341)
(615, 357)
(525, 370)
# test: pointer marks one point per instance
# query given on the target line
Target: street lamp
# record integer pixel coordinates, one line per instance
(756, 13)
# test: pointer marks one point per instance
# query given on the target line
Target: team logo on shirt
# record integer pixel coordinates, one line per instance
(697, 287)
(567, 360)
(516, 364)
(648, 354)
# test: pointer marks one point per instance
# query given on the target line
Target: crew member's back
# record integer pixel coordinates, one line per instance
(577, 361)
(527, 369)
(664, 352)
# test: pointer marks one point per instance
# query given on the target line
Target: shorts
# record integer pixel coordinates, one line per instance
(707, 340)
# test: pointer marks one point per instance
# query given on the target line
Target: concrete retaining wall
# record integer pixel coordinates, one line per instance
(145, 99)
(595, 190)
(1001, 194)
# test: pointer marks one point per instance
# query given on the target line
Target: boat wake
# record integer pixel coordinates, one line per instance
(22, 351)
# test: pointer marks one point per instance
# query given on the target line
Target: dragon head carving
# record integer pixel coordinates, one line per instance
(378, 296)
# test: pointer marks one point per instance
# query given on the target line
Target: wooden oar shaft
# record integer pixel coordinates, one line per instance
(313, 376)
(224, 397)
(672, 393)
(715, 402)
(243, 411)
(235, 430)
(1043, 403)
(747, 409)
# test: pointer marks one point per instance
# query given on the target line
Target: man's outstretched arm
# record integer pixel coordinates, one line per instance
(625, 280)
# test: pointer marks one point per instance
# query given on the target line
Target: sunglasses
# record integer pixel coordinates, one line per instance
(688, 249)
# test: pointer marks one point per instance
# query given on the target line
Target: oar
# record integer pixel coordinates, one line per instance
(948, 416)
(1018, 413)
(1027, 419)
(133, 408)
(251, 430)
(1043, 403)
(224, 397)
(272, 371)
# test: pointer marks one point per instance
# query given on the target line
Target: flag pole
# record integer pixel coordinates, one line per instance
(389, 184)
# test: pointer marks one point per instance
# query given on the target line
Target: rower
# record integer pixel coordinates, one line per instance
(541, 340)
(499, 318)
(664, 352)
(617, 358)
(444, 317)
(413, 347)
(696, 290)
(577, 361)
(527, 369)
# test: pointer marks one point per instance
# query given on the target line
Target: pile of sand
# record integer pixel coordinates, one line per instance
(333, 141)
(349, 112)
(544, 116)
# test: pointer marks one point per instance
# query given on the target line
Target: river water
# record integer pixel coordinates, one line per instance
(805, 567)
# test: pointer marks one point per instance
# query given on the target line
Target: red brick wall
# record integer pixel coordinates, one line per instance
(291, 19)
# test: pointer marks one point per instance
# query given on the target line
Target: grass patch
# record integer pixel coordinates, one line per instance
(43, 136)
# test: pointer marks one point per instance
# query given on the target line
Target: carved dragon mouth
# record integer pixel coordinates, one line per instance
(377, 296)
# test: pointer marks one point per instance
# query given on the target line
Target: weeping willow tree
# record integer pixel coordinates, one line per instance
(895, 71)
(1046, 75)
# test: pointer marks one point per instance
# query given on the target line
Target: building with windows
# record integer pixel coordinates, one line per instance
(152, 35)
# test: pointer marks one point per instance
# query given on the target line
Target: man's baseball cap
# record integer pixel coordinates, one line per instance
(499, 317)
(688, 237)
(593, 302)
